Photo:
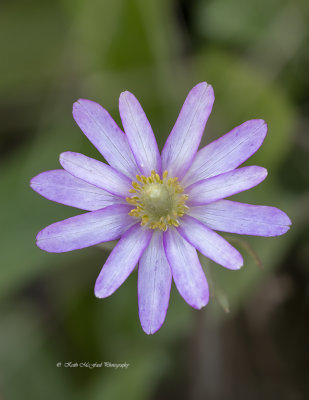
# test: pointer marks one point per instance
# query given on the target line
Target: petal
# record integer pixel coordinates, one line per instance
(96, 173)
(225, 185)
(122, 260)
(139, 133)
(245, 219)
(186, 269)
(227, 152)
(105, 135)
(182, 143)
(154, 285)
(210, 243)
(62, 187)
(86, 229)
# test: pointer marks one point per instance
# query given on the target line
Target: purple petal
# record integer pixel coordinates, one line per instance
(96, 173)
(227, 152)
(187, 271)
(182, 143)
(225, 185)
(139, 133)
(245, 219)
(62, 187)
(154, 285)
(210, 243)
(86, 229)
(122, 260)
(105, 135)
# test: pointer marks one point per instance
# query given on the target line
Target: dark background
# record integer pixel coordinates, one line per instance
(251, 341)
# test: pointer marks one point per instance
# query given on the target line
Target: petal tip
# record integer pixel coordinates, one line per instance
(77, 105)
(44, 244)
(201, 84)
(261, 128)
(238, 260)
(40, 244)
(285, 224)
(149, 330)
(203, 303)
(36, 180)
(259, 122)
(287, 220)
(264, 174)
(204, 86)
(63, 154)
(83, 102)
(200, 301)
(239, 266)
(127, 98)
(198, 305)
(260, 172)
(32, 183)
(83, 109)
(39, 235)
(102, 291)
(264, 125)
(286, 229)
(124, 95)
(63, 157)
(98, 290)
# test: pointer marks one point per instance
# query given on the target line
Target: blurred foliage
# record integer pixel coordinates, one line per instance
(255, 54)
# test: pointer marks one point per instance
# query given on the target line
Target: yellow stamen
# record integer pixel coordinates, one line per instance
(136, 186)
(158, 202)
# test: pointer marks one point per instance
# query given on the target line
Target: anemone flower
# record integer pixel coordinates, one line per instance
(162, 208)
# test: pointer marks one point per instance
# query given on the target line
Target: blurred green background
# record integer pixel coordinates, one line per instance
(251, 341)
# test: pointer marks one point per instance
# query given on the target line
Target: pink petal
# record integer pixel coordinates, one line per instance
(105, 135)
(210, 243)
(96, 173)
(86, 229)
(62, 187)
(182, 143)
(225, 185)
(139, 133)
(244, 219)
(122, 260)
(227, 152)
(186, 269)
(154, 285)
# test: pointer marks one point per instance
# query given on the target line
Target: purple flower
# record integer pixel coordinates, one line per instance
(162, 208)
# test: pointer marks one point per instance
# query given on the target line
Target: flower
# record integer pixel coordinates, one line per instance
(163, 208)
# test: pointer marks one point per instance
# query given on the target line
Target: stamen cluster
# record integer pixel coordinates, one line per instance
(159, 201)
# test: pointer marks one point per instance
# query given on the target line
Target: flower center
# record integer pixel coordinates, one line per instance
(159, 202)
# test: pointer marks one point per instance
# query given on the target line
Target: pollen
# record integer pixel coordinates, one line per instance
(159, 202)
